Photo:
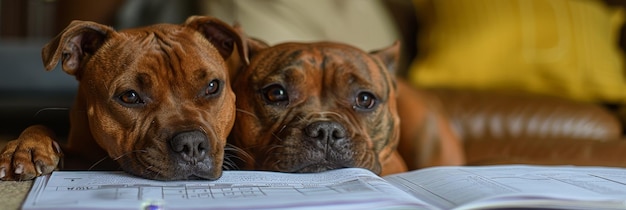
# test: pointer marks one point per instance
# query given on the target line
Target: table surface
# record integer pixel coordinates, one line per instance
(12, 193)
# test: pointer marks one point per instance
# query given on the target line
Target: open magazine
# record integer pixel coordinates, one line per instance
(508, 186)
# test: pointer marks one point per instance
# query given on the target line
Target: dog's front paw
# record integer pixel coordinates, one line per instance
(33, 154)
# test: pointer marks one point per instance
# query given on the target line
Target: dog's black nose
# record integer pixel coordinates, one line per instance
(325, 132)
(192, 146)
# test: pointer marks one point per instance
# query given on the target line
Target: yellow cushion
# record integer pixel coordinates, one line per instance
(557, 47)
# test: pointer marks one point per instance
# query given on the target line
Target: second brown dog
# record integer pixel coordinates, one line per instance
(310, 107)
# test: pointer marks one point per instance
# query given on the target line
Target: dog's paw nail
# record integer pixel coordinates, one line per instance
(19, 169)
(56, 146)
(42, 168)
(3, 172)
(38, 168)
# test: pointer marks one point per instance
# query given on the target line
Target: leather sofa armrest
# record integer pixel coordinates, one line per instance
(546, 152)
(496, 115)
(504, 128)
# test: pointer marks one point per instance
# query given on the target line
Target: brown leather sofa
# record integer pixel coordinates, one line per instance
(516, 128)
(510, 128)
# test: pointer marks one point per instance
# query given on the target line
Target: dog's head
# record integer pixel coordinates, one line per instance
(157, 99)
(309, 107)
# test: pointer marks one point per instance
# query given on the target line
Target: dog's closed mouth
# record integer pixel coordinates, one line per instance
(319, 167)
(170, 170)
(201, 171)
(196, 177)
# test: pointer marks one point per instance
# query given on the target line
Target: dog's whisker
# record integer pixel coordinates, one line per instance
(247, 112)
(228, 164)
(50, 109)
(275, 164)
(229, 157)
(238, 150)
(145, 171)
(270, 150)
(203, 130)
(97, 162)
(148, 170)
(282, 128)
(243, 155)
(128, 153)
(276, 136)
(269, 153)
(265, 161)
(115, 159)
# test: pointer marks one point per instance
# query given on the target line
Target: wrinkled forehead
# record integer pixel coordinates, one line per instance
(167, 47)
(323, 59)
(168, 37)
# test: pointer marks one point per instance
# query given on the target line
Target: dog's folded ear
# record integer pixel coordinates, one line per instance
(254, 46)
(78, 41)
(389, 56)
(251, 45)
(223, 37)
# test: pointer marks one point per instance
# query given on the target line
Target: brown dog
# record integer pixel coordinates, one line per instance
(156, 100)
(319, 106)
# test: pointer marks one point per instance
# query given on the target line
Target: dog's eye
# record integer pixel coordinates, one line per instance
(131, 97)
(212, 88)
(365, 101)
(275, 94)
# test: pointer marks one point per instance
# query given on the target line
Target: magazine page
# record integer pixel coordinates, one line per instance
(345, 188)
(517, 186)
